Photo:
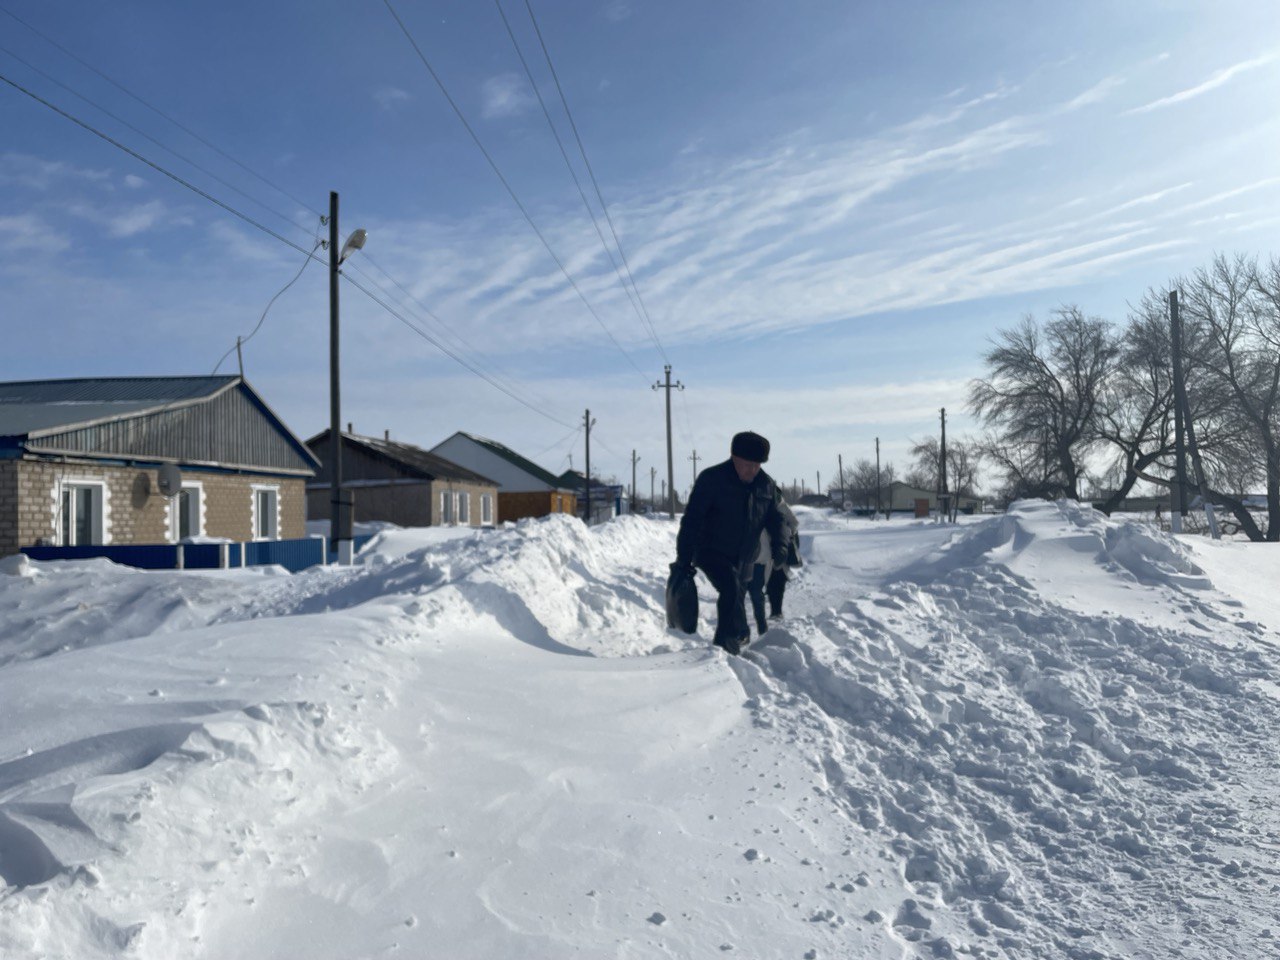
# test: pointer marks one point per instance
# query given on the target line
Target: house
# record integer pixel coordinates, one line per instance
(524, 488)
(905, 498)
(82, 462)
(401, 484)
(606, 498)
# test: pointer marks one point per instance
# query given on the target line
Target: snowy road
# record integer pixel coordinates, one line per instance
(1036, 735)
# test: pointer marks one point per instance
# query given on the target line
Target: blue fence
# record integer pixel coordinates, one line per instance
(293, 555)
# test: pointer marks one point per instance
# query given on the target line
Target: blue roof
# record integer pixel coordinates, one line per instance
(30, 407)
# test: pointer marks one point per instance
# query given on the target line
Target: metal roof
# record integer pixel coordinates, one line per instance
(506, 453)
(35, 406)
(415, 460)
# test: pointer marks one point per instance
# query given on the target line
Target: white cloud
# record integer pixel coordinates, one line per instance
(505, 95)
(389, 98)
(27, 232)
(1096, 94)
(137, 220)
(21, 169)
(134, 182)
(1218, 79)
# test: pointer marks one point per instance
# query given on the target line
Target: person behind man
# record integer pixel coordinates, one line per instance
(769, 579)
(731, 503)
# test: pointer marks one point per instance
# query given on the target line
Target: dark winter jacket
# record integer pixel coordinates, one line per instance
(725, 516)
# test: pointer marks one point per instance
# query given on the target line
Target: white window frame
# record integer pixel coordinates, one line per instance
(463, 509)
(172, 513)
(101, 532)
(446, 508)
(256, 489)
(486, 509)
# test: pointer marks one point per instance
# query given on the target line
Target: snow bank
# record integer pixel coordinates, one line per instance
(1043, 734)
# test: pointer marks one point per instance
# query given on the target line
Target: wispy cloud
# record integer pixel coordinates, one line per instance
(389, 98)
(505, 95)
(27, 232)
(36, 173)
(1218, 79)
(1096, 94)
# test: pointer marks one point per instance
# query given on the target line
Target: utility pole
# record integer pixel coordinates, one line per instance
(695, 458)
(339, 506)
(944, 497)
(634, 461)
(589, 423)
(669, 488)
(818, 488)
(1178, 502)
(653, 473)
(840, 464)
(878, 511)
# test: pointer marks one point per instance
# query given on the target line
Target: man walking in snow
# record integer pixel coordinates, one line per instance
(731, 504)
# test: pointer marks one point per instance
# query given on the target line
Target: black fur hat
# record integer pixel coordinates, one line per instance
(750, 446)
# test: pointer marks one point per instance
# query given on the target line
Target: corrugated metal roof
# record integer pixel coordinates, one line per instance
(417, 460)
(506, 453)
(32, 406)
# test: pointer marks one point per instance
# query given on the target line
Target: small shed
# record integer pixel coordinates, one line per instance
(525, 489)
(402, 484)
(80, 463)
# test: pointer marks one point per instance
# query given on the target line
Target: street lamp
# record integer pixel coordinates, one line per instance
(340, 518)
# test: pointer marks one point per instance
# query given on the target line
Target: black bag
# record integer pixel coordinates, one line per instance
(682, 599)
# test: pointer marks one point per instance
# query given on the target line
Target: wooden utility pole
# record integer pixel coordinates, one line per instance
(588, 423)
(944, 496)
(653, 473)
(878, 511)
(669, 491)
(818, 489)
(840, 463)
(634, 461)
(695, 458)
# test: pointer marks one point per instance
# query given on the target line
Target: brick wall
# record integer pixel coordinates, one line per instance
(406, 504)
(135, 512)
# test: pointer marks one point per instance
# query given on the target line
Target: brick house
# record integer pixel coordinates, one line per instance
(524, 488)
(402, 484)
(80, 463)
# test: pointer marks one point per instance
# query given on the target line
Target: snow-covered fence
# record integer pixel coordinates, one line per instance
(293, 555)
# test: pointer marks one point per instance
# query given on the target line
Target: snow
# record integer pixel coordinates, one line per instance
(1043, 734)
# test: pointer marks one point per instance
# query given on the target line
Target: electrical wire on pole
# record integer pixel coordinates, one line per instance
(507, 185)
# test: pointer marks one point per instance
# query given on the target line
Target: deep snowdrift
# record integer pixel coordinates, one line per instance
(1043, 734)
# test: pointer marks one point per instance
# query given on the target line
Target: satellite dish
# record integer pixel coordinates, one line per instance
(169, 480)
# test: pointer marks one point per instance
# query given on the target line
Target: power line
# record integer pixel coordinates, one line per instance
(156, 110)
(154, 166)
(242, 341)
(445, 350)
(443, 329)
(595, 183)
(97, 106)
(310, 254)
(506, 184)
(568, 165)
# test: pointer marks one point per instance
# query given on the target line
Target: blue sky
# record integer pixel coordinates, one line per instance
(828, 207)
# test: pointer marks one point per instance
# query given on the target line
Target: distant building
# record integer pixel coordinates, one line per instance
(905, 498)
(524, 488)
(401, 484)
(80, 463)
(606, 498)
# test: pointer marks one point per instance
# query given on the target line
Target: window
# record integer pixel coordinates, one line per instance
(266, 513)
(486, 508)
(81, 512)
(464, 508)
(446, 508)
(186, 513)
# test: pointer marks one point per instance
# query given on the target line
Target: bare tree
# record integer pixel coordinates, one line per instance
(1237, 302)
(1042, 400)
(963, 461)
